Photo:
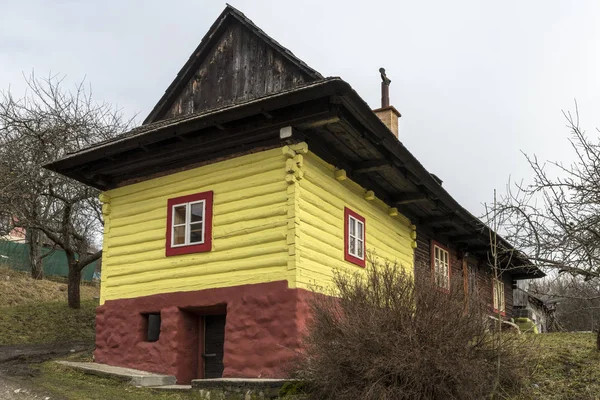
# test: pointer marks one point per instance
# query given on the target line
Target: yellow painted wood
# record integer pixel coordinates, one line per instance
(250, 229)
(341, 175)
(277, 215)
(324, 192)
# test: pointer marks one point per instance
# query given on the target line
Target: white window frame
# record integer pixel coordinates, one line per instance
(438, 267)
(355, 237)
(188, 223)
(499, 300)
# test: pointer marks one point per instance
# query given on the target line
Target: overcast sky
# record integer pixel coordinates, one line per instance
(477, 82)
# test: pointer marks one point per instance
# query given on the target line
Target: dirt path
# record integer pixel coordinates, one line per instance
(15, 389)
(18, 364)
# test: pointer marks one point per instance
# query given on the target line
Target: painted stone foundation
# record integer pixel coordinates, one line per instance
(263, 329)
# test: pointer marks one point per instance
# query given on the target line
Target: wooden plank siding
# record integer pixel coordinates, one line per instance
(240, 67)
(484, 272)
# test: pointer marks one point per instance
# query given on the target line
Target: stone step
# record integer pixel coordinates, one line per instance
(133, 376)
(173, 388)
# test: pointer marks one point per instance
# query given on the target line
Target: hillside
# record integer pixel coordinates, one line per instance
(35, 311)
(17, 288)
(566, 367)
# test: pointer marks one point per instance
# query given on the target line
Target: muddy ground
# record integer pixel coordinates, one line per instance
(19, 364)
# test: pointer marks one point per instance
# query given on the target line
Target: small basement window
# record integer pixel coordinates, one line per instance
(152, 324)
(354, 237)
(189, 224)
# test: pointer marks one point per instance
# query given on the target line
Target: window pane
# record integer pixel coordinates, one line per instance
(352, 246)
(352, 224)
(359, 249)
(179, 215)
(360, 229)
(179, 235)
(196, 235)
(197, 212)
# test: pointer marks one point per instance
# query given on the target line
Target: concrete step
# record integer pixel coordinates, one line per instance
(173, 388)
(133, 376)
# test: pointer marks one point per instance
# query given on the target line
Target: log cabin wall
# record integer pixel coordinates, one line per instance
(484, 275)
(248, 233)
(321, 200)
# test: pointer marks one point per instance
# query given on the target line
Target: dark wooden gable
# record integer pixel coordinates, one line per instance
(235, 62)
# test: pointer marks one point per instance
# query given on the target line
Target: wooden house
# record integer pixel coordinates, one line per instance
(250, 182)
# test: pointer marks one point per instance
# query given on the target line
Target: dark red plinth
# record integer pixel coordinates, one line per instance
(263, 330)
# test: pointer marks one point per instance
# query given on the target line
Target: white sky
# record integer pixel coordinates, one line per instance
(476, 81)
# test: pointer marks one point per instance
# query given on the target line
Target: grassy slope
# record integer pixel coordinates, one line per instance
(36, 311)
(47, 323)
(566, 367)
(17, 288)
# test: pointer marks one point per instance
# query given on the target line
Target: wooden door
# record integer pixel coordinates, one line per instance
(214, 341)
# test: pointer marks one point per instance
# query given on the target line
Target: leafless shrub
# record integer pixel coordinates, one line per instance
(384, 336)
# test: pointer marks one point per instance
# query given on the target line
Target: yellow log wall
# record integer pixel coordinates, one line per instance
(319, 240)
(250, 230)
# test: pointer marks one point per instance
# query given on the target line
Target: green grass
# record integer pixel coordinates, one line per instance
(47, 323)
(18, 288)
(566, 367)
(73, 385)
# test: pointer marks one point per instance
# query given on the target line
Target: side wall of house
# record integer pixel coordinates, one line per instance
(484, 272)
(320, 233)
(249, 230)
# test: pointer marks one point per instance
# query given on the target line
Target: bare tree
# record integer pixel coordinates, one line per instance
(555, 220)
(48, 123)
(577, 301)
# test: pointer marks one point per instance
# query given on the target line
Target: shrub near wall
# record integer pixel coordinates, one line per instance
(385, 337)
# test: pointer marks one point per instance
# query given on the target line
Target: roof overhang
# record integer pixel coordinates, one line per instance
(339, 127)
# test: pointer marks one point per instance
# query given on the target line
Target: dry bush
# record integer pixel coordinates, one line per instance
(385, 336)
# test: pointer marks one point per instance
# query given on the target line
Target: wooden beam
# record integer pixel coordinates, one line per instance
(437, 219)
(462, 238)
(444, 230)
(410, 197)
(478, 249)
(370, 166)
(200, 141)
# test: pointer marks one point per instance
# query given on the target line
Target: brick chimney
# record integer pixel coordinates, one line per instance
(387, 114)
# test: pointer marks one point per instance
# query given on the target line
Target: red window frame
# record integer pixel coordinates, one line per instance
(347, 256)
(432, 246)
(208, 216)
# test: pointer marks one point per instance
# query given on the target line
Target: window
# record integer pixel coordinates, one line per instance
(440, 259)
(498, 293)
(354, 238)
(189, 224)
(152, 327)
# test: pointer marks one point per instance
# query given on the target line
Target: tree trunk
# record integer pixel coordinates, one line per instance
(74, 286)
(35, 258)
